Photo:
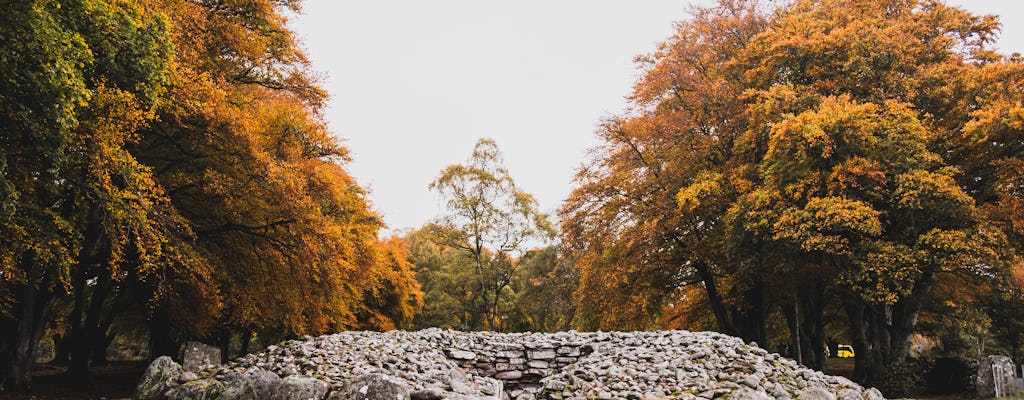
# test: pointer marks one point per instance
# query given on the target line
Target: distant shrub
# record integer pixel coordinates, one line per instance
(903, 378)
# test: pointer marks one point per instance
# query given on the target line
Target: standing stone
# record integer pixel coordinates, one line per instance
(378, 387)
(161, 375)
(196, 356)
(995, 377)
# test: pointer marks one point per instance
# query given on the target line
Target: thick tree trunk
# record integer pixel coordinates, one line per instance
(77, 340)
(91, 331)
(863, 353)
(102, 336)
(812, 308)
(715, 298)
(246, 340)
(161, 343)
(100, 343)
(224, 341)
(749, 319)
(19, 336)
(62, 351)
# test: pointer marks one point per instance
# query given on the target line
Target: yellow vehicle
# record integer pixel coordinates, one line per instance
(845, 351)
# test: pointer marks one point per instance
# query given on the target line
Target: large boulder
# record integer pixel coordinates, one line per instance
(199, 389)
(815, 393)
(196, 356)
(253, 384)
(161, 375)
(375, 387)
(299, 388)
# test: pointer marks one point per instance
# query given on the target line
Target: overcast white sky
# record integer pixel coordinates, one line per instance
(415, 83)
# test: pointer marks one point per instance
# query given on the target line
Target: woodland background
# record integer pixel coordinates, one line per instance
(786, 173)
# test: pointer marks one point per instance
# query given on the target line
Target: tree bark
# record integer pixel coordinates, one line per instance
(77, 340)
(161, 342)
(19, 337)
(715, 298)
(863, 353)
(246, 340)
(792, 314)
(224, 342)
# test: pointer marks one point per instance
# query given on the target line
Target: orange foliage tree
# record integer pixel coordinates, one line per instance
(244, 154)
(170, 158)
(787, 159)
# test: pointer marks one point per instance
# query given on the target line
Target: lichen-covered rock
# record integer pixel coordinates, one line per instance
(815, 393)
(196, 356)
(253, 384)
(375, 387)
(299, 388)
(200, 389)
(161, 375)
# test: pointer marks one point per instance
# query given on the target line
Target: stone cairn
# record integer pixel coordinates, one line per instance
(437, 364)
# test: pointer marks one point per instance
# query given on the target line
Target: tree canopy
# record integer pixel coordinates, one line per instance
(169, 158)
(793, 158)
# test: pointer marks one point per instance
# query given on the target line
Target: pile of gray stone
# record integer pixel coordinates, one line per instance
(439, 364)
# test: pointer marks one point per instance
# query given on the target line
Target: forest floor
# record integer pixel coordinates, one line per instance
(114, 381)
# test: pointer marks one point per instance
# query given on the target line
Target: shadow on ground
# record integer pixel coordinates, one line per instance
(114, 381)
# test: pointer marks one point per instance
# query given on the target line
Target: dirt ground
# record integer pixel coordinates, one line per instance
(115, 381)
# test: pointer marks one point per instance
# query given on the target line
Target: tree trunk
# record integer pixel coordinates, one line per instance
(19, 337)
(102, 334)
(62, 351)
(859, 336)
(100, 343)
(78, 343)
(813, 345)
(246, 340)
(715, 298)
(224, 341)
(83, 345)
(161, 343)
(793, 322)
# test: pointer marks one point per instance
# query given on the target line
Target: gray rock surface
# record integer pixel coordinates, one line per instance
(995, 377)
(299, 388)
(438, 364)
(196, 356)
(253, 384)
(161, 375)
(816, 393)
(200, 389)
(374, 387)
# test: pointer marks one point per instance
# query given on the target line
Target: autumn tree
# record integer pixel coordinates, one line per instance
(789, 160)
(80, 210)
(492, 221)
(170, 156)
(243, 152)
